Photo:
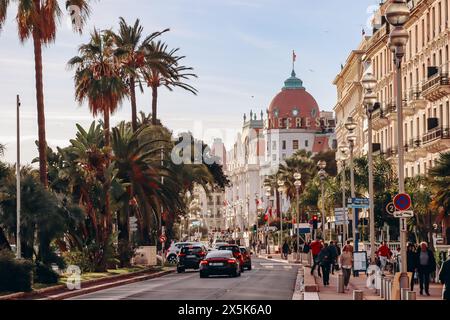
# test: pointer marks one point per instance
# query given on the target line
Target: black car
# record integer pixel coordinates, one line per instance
(236, 253)
(190, 257)
(221, 262)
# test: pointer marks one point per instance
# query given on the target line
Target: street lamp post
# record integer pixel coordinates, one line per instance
(281, 184)
(397, 14)
(18, 196)
(344, 157)
(322, 175)
(369, 82)
(351, 126)
(298, 185)
(266, 234)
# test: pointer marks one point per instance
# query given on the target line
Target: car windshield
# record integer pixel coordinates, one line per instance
(220, 254)
(229, 248)
(243, 250)
(191, 250)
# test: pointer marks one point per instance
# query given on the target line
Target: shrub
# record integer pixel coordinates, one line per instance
(45, 274)
(79, 259)
(15, 275)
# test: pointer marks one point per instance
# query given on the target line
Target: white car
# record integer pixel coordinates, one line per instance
(174, 250)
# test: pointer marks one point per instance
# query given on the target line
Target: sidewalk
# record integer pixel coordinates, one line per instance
(359, 283)
(291, 258)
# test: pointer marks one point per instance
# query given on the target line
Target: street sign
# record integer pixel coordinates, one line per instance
(162, 239)
(133, 224)
(402, 202)
(358, 203)
(403, 225)
(303, 228)
(341, 216)
(390, 208)
(404, 214)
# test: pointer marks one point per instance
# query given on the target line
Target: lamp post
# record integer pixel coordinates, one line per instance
(266, 235)
(298, 185)
(369, 83)
(344, 157)
(397, 14)
(281, 184)
(256, 217)
(322, 175)
(351, 126)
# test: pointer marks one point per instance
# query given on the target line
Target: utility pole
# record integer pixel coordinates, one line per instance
(18, 199)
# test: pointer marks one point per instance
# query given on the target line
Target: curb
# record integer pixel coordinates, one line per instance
(54, 289)
(299, 285)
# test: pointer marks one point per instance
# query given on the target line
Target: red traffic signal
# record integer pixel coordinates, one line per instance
(315, 218)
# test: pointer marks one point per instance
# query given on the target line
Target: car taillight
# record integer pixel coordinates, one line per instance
(232, 261)
(182, 255)
(204, 262)
(202, 254)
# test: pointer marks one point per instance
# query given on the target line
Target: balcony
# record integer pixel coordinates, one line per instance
(416, 101)
(379, 121)
(391, 153)
(436, 87)
(436, 140)
(391, 111)
(414, 150)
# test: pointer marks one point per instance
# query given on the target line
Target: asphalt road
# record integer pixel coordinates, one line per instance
(269, 280)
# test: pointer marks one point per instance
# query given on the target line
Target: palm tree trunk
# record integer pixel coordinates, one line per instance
(107, 219)
(154, 105)
(40, 107)
(133, 104)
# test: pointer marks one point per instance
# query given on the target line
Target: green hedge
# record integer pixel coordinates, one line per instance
(45, 274)
(15, 275)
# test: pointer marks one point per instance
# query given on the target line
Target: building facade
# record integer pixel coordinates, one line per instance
(426, 88)
(292, 122)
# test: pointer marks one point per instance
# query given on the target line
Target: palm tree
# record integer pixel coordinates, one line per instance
(2, 150)
(169, 73)
(38, 19)
(131, 46)
(440, 183)
(97, 78)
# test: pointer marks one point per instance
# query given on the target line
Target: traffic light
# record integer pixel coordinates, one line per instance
(255, 228)
(315, 222)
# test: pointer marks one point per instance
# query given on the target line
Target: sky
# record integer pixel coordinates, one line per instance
(241, 51)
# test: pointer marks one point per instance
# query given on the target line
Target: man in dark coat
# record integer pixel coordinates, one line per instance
(325, 261)
(411, 258)
(333, 255)
(426, 264)
(444, 277)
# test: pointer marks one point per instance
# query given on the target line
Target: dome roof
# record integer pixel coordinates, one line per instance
(293, 102)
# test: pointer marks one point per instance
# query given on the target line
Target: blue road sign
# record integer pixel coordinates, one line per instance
(358, 203)
(402, 202)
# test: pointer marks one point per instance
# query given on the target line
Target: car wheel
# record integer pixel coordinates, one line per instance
(249, 267)
(172, 259)
(181, 270)
(203, 275)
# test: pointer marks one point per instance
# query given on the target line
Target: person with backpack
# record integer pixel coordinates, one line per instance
(333, 249)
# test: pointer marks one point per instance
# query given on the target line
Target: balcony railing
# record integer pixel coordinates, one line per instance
(436, 134)
(440, 79)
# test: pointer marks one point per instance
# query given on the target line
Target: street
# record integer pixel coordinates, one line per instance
(269, 280)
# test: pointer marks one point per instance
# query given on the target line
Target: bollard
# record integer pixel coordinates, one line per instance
(403, 294)
(383, 286)
(411, 295)
(340, 284)
(388, 295)
(358, 295)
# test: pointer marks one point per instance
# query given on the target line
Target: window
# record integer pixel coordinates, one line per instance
(274, 157)
(295, 145)
(406, 173)
(274, 145)
(307, 143)
(284, 144)
(412, 171)
(284, 156)
(418, 169)
(425, 167)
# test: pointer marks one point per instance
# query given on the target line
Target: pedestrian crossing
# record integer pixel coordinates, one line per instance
(273, 265)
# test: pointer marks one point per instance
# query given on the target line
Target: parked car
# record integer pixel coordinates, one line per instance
(190, 257)
(220, 262)
(236, 253)
(247, 257)
(174, 250)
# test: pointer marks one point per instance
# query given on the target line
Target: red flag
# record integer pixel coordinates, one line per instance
(294, 56)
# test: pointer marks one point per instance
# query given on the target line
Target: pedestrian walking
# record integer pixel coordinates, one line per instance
(316, 247)
(444, 277)
(325, 264)
(346, 265)
(411, 258)
(254, 246)
(348, 247)
(384, 254)
(426, 264)
(333, 256)
(285, 250)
